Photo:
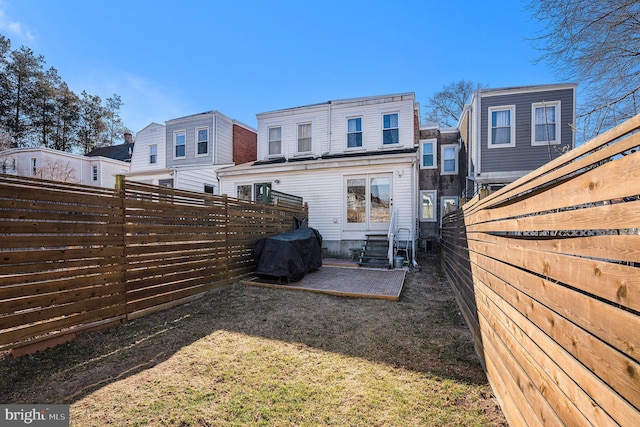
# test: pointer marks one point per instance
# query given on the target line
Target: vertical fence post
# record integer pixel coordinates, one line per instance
(120, 194)
(227, 254)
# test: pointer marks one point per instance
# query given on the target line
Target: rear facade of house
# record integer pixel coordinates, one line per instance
(353, 161)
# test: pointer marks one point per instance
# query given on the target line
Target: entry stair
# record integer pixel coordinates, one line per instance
(375, 252)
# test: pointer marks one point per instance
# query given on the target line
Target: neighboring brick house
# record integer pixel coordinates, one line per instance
(245, 144)
(442, 162)
(186, 152)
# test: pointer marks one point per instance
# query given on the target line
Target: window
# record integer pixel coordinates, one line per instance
(304, 138)
(179, 141)
(545, 118)
(449, 160)
(153, 154)
(94, 173)
(262, 192)
(34, 167)
(354, 132)
(428, 154)
(390, 129)
(209, 189)
(4, 166)
(202, 141)
(428, 205)
(275, 141)
(448, 204)
(244, 192)
(502, 129)
(166, 183)
(368, 202)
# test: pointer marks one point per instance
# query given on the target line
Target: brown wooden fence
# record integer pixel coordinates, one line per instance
(550, 285)
(76, 257)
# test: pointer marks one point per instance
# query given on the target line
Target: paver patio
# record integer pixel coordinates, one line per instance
(344, 281)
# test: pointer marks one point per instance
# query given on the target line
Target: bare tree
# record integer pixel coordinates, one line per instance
(445, 106)
(56, 170)
(597, 44)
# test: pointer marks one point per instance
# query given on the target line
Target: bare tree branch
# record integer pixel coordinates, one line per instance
(597, 43)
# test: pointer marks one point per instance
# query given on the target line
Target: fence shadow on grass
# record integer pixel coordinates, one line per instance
(424, 331)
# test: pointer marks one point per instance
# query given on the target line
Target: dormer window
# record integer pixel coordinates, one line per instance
(390, 129)
(502, 130)
(179, 142)
(202, 141)
(275, 141)
(304, 138)
(153, 154)
(545, 117)
(354, 132)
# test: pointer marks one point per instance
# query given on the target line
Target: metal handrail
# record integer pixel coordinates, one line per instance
(393, 222)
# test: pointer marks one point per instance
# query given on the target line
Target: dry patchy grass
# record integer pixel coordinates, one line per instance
(255, 356)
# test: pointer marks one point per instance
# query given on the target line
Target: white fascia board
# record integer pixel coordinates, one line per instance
(525, 89)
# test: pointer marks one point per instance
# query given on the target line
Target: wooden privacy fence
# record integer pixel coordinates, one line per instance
(550, 285)
(77, 257)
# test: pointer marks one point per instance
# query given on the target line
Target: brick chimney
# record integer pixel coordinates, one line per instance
(128, 138)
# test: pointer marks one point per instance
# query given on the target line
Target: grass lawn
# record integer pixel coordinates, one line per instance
(245, 356)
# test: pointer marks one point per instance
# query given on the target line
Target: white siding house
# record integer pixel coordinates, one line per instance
(186, 152)
(149, 159)
(62, 166)
(353, 161)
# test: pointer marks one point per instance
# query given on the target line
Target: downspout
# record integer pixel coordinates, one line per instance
(329, 129)
(414, 206)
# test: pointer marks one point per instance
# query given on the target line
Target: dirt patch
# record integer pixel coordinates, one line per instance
(420, 339)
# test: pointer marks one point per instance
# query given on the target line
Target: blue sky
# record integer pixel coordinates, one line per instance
(169, 59)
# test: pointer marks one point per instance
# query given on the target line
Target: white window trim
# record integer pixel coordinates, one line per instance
(435, 153)
(346, 142)
(250, 191)
(209, 185)
(175, 133)
(382, 144)
(490, 143)
(442, 148)
(298, 152)
(558, 139)
(151, 154)
(442, 200)
(196, 141)
(435, 206)
(269, 154)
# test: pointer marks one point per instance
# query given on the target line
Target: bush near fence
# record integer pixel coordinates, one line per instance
(547, 274)
(76, 258)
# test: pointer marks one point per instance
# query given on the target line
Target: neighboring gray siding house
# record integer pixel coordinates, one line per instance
(510, 132)
(186, 152)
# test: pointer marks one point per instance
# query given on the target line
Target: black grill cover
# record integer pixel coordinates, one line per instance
(289, 256)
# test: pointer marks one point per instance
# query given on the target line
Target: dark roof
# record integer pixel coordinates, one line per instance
(335, 156)
(118, 152)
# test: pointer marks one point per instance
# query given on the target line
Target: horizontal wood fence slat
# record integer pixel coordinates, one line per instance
(76, 257)
(546, 272)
